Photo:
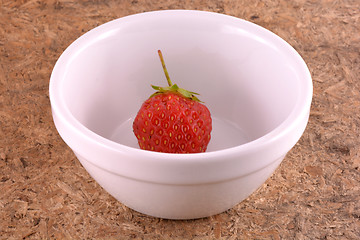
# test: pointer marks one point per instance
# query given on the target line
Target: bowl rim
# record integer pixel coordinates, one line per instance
(299, 112)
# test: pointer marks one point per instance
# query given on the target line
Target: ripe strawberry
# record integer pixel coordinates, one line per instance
(173, 120)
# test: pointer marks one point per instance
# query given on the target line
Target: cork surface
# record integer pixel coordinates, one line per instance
(46, 194)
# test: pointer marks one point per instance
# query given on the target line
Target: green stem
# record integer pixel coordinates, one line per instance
(164, 67)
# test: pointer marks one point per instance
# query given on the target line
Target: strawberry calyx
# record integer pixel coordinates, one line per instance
(176, 89)
(172, 87)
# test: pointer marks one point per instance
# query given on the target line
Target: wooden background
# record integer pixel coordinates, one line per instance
(46, 194)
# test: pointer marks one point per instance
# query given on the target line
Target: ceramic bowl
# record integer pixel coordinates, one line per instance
(256, 86)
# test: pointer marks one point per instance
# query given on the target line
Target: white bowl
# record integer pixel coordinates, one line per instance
(256, 86)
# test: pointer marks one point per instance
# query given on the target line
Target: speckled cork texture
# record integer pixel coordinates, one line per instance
(46, 194)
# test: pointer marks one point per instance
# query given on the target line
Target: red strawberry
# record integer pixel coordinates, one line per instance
(173, 120)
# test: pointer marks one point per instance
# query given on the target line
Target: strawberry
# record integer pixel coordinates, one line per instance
(173, 120)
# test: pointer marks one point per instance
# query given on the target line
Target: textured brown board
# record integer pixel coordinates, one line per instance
(46, 194)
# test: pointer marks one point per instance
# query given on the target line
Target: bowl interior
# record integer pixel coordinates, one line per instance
(247, 76)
